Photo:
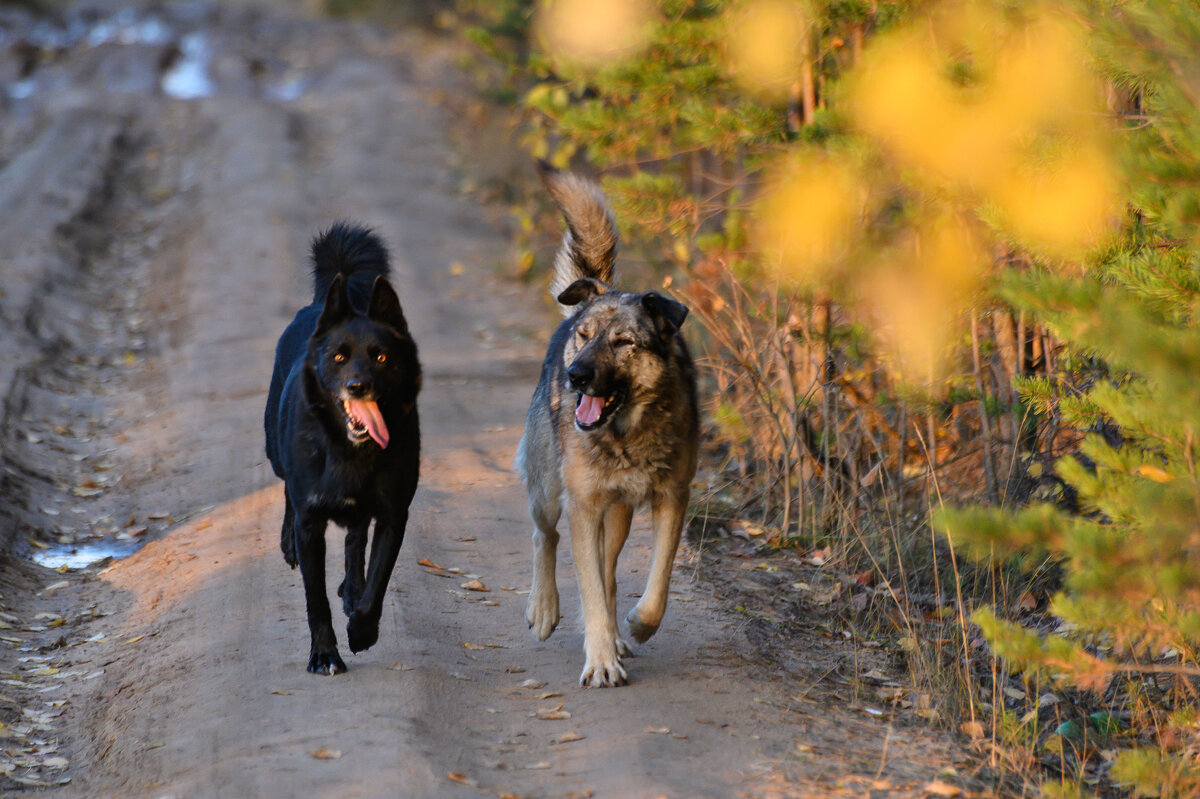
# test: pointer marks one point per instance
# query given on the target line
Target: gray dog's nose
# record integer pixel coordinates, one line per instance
(580, 375)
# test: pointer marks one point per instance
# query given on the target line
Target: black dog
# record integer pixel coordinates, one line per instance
(342, 433)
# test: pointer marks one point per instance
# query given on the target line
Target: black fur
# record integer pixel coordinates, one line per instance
(352, 343)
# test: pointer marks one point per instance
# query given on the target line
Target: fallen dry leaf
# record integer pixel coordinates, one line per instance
(462, 779)
(552, 714)
(548, 695)
(538, 766)
(469, 645)
(658, 730)
(281, 692)
(325, 753)
(532, 683)
(939, 788)
(566, 738)
(474, 585)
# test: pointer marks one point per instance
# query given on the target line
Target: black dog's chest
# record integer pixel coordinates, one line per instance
(346, 489)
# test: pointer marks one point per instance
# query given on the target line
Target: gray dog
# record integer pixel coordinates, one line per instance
(613, 424)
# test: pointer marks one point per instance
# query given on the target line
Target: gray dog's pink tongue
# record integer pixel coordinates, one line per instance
(367, 413)
(589, 408)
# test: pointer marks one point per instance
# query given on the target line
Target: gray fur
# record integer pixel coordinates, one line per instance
(641, 449)
(589, 244)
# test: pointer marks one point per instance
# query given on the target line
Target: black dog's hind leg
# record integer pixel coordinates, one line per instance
(287, 535)
(323, 657)
(356, 551)
(363, 627)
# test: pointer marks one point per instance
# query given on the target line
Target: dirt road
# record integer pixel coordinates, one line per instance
(161, 174)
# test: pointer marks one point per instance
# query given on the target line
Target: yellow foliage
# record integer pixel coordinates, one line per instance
(591, 33)
(764, 46)
(1062, 207)
(808, 214)
(918, 295)
(960, 101)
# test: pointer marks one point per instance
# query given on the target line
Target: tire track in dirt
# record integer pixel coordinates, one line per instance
(197, 687)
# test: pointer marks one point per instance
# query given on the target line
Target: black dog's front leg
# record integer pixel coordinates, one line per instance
(356, 550)
(363, 627)
(287, 534)
(323, 658)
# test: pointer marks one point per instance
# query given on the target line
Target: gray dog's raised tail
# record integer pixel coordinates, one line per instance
(348, 250)
(589, 244)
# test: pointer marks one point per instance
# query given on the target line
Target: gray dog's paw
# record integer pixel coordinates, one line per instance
(603, 670)
(541, 612)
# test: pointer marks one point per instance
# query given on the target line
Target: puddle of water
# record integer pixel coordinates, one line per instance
(80, 556)
(188, 79)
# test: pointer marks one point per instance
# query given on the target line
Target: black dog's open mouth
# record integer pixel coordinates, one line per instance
(591, 413)
(363, 419)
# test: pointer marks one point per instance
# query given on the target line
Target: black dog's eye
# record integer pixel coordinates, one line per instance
(338, 357)
(381, 357)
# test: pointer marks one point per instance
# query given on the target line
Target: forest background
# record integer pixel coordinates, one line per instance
(943, 260)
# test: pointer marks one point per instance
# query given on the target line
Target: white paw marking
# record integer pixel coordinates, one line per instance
(601, 669)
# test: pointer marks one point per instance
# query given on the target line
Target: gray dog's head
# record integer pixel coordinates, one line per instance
(618, 350)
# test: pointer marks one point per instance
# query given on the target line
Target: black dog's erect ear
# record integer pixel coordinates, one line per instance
(337, 305)
(583, 289)
(669, 312)
(384, 306)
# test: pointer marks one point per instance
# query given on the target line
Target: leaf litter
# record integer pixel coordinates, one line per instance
(555, 713)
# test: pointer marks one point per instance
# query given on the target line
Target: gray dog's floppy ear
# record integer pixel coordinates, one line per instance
(384, 306)
(581, 290)
(337, 305)
(668, 311)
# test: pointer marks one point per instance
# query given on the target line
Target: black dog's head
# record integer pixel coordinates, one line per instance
(364, 364)
(619, 346)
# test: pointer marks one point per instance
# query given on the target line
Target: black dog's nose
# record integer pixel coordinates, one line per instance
(580, 375)
(356, 388)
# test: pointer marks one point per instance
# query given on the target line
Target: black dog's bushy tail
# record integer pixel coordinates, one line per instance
(348, 250)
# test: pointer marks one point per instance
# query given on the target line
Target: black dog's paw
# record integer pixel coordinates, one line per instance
(287, 543)
(349, 596)
(326, 663)
(362, 631)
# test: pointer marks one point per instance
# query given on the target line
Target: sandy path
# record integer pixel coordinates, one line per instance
(197, 687)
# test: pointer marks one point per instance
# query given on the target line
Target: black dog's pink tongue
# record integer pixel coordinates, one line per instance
(589, 408)
(367, 414)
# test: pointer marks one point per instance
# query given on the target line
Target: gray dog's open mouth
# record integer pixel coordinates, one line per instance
(363, 419)
(592, 412)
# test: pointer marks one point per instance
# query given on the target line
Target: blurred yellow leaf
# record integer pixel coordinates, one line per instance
(1061, 207)
(593, 34)
(764, 46)
(809, 213)
(1154, 473)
